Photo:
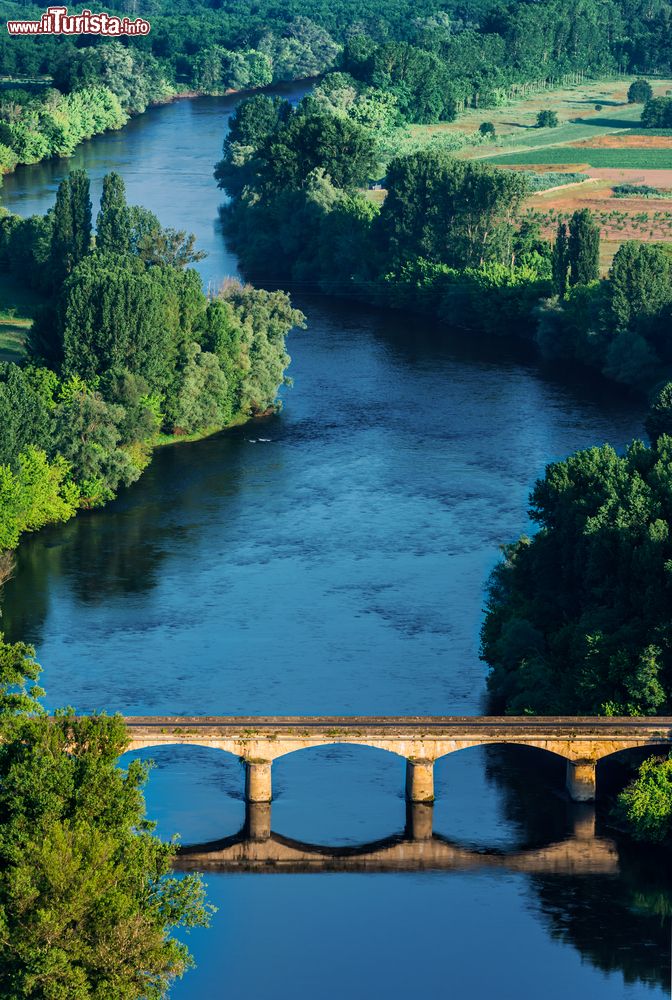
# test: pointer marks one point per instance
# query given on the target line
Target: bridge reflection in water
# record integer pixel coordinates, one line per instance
(257, 849)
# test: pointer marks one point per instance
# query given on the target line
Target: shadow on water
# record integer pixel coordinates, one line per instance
(119, 551)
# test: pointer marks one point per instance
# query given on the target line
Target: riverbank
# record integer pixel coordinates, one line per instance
(10, 159)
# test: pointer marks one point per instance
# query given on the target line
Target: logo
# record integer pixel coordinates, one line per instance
(57, 21)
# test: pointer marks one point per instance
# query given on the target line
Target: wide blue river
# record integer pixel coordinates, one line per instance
(337, 568)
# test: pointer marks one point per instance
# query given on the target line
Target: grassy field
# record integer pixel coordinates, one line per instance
(13, 338)
(625, 158)
(17, 309)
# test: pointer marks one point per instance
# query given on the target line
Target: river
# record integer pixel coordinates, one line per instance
(338, 568)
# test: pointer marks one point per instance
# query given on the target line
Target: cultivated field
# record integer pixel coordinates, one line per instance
(607, 146)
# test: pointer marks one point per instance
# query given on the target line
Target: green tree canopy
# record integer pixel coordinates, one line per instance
(87, 900)
(24, 413)
(640, 284)
(583, 248)
(639, 92)
(547, 119)
(113, 225)
(659, 418)
(645, 806)
(450, 211)
(578, 616)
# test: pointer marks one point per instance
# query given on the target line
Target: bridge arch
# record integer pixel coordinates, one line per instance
(136, 746)
(336, 742)
(647, 750)
(195, 791)
(326, 792)
(532, 744)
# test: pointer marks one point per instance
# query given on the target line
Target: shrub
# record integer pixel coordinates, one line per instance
(547, 119)
(639, 92)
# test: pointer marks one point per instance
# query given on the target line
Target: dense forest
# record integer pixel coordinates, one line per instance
(127, 347)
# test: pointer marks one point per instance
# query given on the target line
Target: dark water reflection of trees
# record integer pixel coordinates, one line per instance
(618, 923)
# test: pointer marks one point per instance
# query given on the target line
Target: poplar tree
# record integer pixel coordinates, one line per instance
(71, 232)
(583, 248)
(560, 260)
(62, 235)
(113, 225)
(80, 200)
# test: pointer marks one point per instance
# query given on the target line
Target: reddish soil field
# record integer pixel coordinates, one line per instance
(625, 141)
(655, 178)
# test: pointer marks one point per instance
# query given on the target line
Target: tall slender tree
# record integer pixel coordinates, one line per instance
(80, 200)
(62, 235)
(71, 231)
(584, 248)
(113, 225)
(560, 260)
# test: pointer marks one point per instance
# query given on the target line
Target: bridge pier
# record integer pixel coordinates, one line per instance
(419, 780)
(583, 821)
(419, 820)
(581, 780)
(258, 781)
(258, 820)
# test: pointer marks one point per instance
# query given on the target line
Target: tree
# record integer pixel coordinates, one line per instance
(646, 804)
(640, 286)
(87, 900)
(142, 409)
(487, 129)
(657, 113)
(19, 672)
(63, 236)
(87, 433)
(113, 225)
(578, 617)
(118, 313)
(24, 414)
(155, 245)
(312, 139)
(639, 92)
(659, 418)
(450, 211)
(265, 320)
(253, 122)
(204, 401)
(547, 119)
(71, 230)
(81, 213)
(561, 260)
(583, 248)
(36, 493)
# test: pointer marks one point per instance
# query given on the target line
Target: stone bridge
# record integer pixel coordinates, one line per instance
(421, 740)
(257, 849)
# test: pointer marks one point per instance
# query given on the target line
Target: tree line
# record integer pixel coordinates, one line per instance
(127, 347)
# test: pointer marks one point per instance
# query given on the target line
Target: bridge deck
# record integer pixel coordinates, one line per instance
(414, 726)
